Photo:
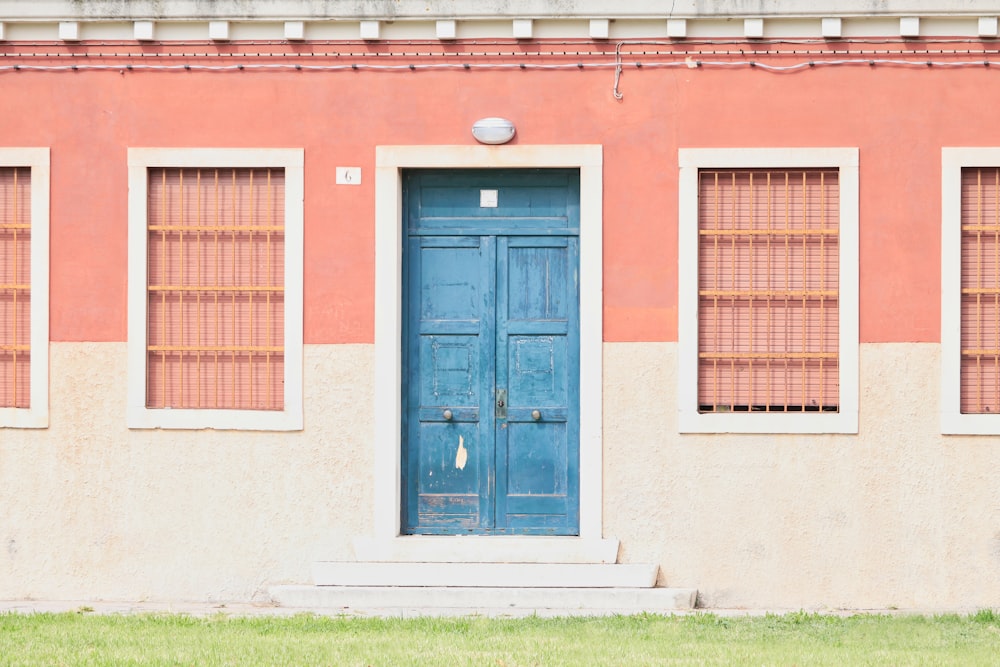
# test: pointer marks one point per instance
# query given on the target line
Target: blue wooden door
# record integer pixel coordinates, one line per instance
(491, 352)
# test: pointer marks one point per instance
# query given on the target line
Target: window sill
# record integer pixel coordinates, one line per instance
(955, 423)
(226, 420)
(773, 422)
(23, 418)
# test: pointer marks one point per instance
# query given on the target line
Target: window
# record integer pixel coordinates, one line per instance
(768, 279)
(24, 287)
(215, 272)
(970, 291)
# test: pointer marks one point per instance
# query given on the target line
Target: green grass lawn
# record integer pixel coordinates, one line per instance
(698, 639)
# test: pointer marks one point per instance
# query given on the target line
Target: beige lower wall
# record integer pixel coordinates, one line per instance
(897, 516)
(91, 510)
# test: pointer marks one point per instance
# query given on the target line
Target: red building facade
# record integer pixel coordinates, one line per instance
(787, 283)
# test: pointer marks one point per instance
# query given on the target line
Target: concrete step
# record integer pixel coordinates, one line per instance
(443, 600)
(485, 549)
(485, 575)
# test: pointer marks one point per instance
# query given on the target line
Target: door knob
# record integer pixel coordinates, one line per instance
(536, 415)
(447, 415)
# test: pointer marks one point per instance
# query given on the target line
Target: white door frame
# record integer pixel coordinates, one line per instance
(388, 544)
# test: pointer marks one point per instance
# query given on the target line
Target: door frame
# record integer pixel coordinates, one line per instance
(388, 544)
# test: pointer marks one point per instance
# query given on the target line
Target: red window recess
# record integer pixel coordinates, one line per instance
(980, 340)
(215, 312)
(768, 311)
(15, 287)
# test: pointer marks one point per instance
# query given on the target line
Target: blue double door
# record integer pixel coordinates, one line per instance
(490, 352)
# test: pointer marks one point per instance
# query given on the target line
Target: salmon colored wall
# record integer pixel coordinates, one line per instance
(898, 118)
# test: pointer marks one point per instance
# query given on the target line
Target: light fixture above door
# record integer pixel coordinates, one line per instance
(493, 130)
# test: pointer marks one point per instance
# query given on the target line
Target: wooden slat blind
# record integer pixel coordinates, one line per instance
(980, 326)
(215, 311)
(15, 288)
(768, 311)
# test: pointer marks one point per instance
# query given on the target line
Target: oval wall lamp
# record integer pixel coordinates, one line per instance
(493, 130)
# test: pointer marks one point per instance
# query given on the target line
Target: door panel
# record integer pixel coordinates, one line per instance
(536, 275)
(491, 307)
(451, 281)
(536, 458)
(538, 352)
(448, 292)
(538, 198)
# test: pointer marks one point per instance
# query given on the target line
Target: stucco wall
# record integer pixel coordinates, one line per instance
(896, 516)
(339, 119)
(91, 510)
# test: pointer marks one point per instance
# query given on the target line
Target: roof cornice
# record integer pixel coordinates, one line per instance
(276, 10)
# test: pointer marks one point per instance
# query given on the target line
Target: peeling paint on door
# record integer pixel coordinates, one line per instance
(462, 455)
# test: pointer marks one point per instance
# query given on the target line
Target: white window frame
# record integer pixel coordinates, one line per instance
(692, 160)
(140, 161)
(953, 422)
(36, 415)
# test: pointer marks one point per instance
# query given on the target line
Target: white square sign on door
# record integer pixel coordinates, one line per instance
(488, 198)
